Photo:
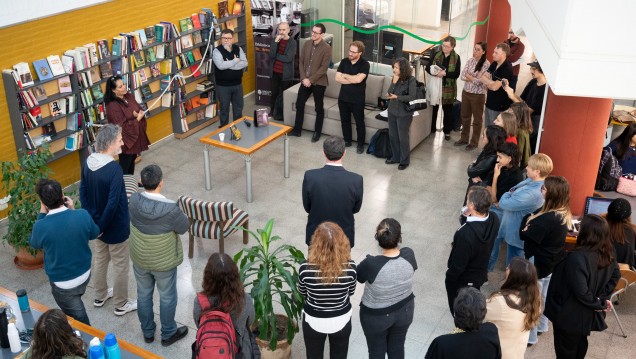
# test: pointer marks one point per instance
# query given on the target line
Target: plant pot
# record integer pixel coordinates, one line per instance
(283, 349)
(25, 260)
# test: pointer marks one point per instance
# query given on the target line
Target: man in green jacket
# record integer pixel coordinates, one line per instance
(156, 251)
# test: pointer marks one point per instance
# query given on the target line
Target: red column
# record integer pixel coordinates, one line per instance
(573, 134)
(496, 29)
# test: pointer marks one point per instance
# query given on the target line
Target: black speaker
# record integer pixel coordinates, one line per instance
(307, 16)
(370, 41)
(391, 46)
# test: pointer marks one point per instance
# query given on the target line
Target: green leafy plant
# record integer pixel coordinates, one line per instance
(19, 179)
(274, 277)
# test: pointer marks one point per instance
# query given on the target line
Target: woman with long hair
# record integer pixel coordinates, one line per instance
(543, 233)
(524, 130)
(388, 303)
(224, 291)
(515, 308)
(624, 148)
(122, 109)
(481, 171)
(327, 281)
(401, 92)
(508, 122)
(580, 289)
(53, 337)
(621, 230)
(473, 97)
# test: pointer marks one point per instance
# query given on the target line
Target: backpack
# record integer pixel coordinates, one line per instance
(379, 144)
(609, 171)
(216, 337)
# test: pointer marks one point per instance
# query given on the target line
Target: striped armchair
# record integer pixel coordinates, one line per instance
(212, 220)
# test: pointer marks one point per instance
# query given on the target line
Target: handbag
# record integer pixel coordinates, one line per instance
(626, 186)
(420, 98)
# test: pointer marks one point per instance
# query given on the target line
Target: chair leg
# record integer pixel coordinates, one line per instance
(245, 234)
(190, 245)
(620, 325)
(221, 242)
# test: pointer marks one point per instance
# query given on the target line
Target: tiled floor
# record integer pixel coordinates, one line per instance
(425, 198)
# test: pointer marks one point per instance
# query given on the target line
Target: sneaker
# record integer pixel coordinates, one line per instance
(130, 306)
(360, 149)
(149, 339)
(460, 143)
(470, 147)
(447, 137)
(179, 334)
(347, 144)
(100, 302)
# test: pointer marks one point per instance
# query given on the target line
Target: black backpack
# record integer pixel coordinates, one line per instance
(609, 171)
(379, 145)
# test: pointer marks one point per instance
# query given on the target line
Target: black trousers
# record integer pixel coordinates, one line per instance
(278, 87)
(357, 110)
(452, 287)
(303, 95)
(127, 163)
(447, 118)
(569, 345)
(536, 119)
(315, 342)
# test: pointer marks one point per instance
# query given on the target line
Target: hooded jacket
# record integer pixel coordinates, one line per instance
(472, 245)
(155, 225)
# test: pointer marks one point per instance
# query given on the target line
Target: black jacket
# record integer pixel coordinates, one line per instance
(544, 239)
(480, 344)
(472, 245)
(577, 289)
(483, 167)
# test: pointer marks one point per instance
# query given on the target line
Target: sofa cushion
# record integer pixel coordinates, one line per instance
(375, 86)
(333, 90)
(310, 105)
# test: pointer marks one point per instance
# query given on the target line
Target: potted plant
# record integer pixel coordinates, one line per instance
(19, 179)
(272, 273)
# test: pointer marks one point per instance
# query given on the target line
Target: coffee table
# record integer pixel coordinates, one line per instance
(252, 139)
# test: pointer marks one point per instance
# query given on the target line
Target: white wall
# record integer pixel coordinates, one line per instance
(417, 12)
(16, 11)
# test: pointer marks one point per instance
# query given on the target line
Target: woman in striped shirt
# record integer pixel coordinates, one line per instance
(327, 281)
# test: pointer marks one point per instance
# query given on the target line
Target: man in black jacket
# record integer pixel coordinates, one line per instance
(472, 244)
(332, 193)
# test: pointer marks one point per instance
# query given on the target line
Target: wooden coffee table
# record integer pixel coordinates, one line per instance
(252, 139)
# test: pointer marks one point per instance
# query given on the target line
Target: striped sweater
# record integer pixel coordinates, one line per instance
(326, 300)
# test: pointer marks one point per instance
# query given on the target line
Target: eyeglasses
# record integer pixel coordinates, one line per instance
(227, 38)
(316, 33)
(354, 52)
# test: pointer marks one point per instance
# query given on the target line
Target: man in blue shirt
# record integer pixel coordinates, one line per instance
(522, 199)
(63, 233)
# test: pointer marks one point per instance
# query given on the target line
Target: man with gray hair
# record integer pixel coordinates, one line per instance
(103, 195)
(156, 251)
(332, 193)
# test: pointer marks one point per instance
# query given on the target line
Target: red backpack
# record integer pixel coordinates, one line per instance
(216, 337)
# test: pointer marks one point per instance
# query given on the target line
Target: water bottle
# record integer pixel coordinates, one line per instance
(14, 338)
(23, 300)
(4, 327)
(96, 350)
(111, 347)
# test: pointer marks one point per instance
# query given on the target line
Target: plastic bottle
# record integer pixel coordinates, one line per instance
(14, 338)
(23, 300)
(96, 350)
(111, 347)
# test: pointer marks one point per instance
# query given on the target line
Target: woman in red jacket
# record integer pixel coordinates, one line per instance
(122, 109)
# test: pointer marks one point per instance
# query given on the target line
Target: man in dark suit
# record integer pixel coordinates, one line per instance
(332, 193)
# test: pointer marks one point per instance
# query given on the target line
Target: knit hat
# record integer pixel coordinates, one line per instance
(619, 209)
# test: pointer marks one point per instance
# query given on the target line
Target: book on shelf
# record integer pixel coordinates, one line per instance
(138, 97)
(210, 110)
(117, 45)
(142, 36)
(40, 140)
(196, 37)
(139, 59)
(83, 57)
(72, 122)
(186, 41)
(97, 92)
(78, 61)
(71, 142)
(223, 9)
(160, 52)
(204, 98)
(40, 93)
(104, 51)
(70, 104)
(150, 54)
(150, 35)
(146, 92)
(24, 73)
(35, 113)
(94, 74)
(165, 82)
(106, 70)
(42, 69)
(117, 66)
(197, 54)
(166, 67)
(196, 22)
(92, 51)
(200, 115)
(166, 100)
(49, 129)
(28, 141)
(238, 8)
(57, 107)
(101, 113)
(67, 63)
(186, 24)
(184, 125)
(194, 69)
(64, 84)
(205, 85)
(154, 70)
(55, 63)
(231, 24)
(142, 76)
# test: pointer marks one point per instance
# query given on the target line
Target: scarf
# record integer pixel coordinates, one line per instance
(449, 86)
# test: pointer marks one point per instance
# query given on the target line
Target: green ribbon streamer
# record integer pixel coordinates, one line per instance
(393, 27)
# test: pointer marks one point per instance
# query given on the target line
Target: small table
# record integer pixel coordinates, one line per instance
(252, 139)
(28, 319)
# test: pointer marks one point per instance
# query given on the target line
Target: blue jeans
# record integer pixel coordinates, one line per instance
(513, 252)
(386, 333)
(70, 301)
(167, 288)
(227, 95)
(495, 252)
(543, 322)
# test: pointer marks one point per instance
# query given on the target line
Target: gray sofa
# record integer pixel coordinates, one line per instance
(376, 86)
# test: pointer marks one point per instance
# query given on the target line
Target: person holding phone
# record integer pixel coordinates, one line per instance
(281, 54)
